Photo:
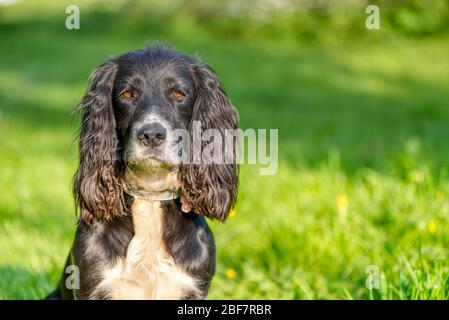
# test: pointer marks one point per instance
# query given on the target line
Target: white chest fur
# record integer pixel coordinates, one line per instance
(148, 271)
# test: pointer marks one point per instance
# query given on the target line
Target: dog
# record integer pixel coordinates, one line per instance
(141, 230)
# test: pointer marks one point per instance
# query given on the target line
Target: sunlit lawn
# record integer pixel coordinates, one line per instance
(363, 173)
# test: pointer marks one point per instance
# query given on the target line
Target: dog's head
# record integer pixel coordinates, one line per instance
(133, 111)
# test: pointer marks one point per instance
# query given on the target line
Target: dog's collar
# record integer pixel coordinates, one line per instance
(165, 195)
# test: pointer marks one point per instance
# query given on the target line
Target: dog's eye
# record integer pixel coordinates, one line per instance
(177, 94)
(127, 94)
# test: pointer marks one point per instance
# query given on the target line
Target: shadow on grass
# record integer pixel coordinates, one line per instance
(21, 283)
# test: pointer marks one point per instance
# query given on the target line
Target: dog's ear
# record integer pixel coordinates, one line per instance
(97, 188)
(211, 188)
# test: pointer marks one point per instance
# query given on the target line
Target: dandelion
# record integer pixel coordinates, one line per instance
(432, 226)
(342, 205)
(230, 273)
(232, 213)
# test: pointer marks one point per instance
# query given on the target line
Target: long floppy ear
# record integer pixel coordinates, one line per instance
(97, 188)
(211, 189)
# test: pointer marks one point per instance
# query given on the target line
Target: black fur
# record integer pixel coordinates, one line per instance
(111, 127)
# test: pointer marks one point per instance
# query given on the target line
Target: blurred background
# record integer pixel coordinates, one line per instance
(361, 195)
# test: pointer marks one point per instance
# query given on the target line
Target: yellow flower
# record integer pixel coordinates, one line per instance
(230, 273)
(417, 176)
(424, 264)
(432, 226)
(232, 213)
(342, 205)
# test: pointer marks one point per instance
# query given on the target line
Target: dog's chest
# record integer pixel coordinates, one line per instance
(148, 271)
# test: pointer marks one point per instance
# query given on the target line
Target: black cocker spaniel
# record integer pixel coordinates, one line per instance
(142, 200)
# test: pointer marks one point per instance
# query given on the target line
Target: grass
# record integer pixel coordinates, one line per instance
(363, 173)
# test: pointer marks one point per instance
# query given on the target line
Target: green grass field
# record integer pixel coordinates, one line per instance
(363, 179)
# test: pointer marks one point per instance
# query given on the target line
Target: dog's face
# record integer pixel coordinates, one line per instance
(152, 97)
(132, 111)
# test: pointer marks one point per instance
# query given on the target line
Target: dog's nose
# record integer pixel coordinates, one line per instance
(152, 135)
